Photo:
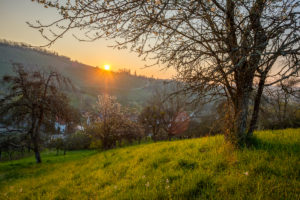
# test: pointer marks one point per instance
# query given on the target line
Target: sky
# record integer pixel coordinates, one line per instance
(15, 13)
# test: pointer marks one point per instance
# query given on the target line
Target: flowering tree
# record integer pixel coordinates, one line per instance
(112, 123)
(219, 47)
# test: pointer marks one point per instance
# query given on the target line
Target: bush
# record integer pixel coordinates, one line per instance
(96, 144)
(78, 141)
(121, 132)
(58, 144)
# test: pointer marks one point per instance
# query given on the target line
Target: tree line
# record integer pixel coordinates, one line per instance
(32, 101)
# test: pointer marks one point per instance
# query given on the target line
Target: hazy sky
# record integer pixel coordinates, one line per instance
(15, 13)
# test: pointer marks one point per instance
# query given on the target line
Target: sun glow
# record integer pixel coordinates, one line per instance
(107, 67)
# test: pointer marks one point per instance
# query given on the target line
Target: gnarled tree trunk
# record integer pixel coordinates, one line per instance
(241, 106)
(240, 120)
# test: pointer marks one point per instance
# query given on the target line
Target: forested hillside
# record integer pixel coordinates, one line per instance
(89, 81)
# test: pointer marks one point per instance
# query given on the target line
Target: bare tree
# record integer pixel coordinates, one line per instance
(166, 112)
(174, 106)
(151, 117)
(32, 99)
(218, 47)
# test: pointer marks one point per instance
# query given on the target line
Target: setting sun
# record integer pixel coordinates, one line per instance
(107, 67)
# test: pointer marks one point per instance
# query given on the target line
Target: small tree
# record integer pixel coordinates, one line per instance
(151, 117)
(109, 115)
(32, 99)
(111, 123)
(166, 111)
(130, 131)
(11, 141)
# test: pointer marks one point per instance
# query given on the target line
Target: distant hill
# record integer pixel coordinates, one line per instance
(90, 81)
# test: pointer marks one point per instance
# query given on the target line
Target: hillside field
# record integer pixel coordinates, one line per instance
(204, 168)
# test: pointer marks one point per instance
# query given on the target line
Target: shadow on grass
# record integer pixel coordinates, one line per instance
(275, 145)
(204, 189)
(11, 171)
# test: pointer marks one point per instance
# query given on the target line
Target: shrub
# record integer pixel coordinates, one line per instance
(58, 144)
(96, 144)
(77, 141)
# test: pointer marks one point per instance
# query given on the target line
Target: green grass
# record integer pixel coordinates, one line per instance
(204, 168)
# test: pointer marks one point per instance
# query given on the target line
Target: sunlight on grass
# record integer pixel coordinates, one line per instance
(204, 168)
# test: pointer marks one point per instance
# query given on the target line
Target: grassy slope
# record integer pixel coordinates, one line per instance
(203, 168)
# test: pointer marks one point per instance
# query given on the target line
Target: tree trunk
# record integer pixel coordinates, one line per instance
(154, 138)
(239, 134)
(37, 156)
(36, 151)
(10, 155)
(22, 151)
(256, 107)
(154, 133)
(241, 124)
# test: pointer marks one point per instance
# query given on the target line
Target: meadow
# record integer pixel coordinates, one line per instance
(203, 168)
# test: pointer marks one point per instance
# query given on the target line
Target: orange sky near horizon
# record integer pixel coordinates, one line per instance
(15, 13)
